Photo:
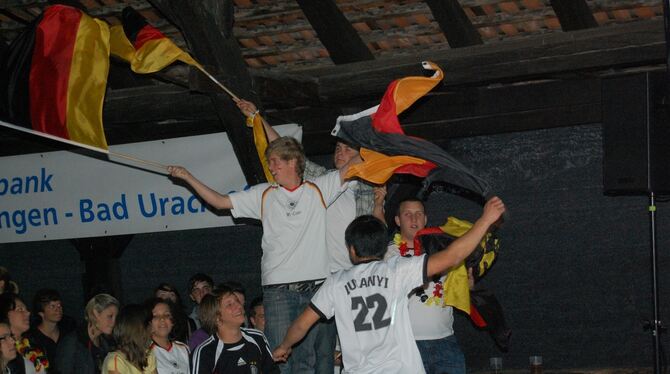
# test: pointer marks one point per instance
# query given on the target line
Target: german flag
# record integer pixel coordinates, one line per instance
(378, 129)
(53, 79)
(146, 48)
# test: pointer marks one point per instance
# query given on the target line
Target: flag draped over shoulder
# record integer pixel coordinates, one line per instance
(481, 305)
(54, 77)
(378, 129)
(146, 48)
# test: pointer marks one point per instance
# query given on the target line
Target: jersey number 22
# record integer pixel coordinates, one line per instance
(374, 302)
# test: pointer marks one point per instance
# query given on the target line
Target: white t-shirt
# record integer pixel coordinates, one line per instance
(294, 226)
(173, 360)
(369, 302)
(430, 319)
(338, 216)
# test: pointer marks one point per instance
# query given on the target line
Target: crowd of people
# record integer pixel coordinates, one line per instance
(328, 270)
(151, 337)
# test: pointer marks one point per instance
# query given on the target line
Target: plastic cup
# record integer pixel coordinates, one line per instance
(535, 364)
(496, 364)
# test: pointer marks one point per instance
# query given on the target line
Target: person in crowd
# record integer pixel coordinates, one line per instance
(82, 351)
(171, 355)
(32, 359)
(183, 324)
(132, 333)
(50, 324)
(6, 283)
(240, 292)
(207, 314)
(199, 285)
(7, 347)
(366, 298)
(293, 216)
(257, 313)
(232, 349)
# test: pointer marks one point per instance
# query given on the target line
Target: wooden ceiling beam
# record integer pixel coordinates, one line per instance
(574, 14)
(545, 56)
(343, 43)
(455, 24)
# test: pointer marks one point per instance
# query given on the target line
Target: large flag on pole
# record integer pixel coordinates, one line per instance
(378, 129)
(53, 79)
(146, 48)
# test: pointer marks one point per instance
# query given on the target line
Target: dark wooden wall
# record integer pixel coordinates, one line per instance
(573, 275)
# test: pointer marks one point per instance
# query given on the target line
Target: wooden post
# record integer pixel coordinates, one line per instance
(101, 260)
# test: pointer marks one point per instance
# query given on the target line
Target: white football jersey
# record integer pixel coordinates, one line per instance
(173, 360)
(369, 302)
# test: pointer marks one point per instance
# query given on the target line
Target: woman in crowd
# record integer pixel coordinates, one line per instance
(133, 336)
(171, 355)
(183, 325)
(83, 351)
(7, 347)
(32, 358)
(207, 314)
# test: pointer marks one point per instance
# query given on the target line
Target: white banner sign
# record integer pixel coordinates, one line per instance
(61, 195)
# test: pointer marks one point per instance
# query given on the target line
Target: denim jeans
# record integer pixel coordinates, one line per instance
(442, 356)
(282, 307)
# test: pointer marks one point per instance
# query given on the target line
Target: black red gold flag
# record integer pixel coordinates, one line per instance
(54, 77)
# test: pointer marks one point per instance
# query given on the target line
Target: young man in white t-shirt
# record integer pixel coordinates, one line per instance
(369, 301)
(295, 258)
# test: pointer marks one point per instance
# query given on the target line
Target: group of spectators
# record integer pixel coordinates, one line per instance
(154, 337)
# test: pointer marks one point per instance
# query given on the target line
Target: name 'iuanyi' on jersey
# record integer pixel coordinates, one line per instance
(370, 281)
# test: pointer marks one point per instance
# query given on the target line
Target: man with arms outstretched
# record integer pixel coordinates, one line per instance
(295, 258)
(369, 301)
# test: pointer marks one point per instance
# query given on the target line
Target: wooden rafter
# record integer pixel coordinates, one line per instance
(335, 32)
(454, 23)
(574, 14)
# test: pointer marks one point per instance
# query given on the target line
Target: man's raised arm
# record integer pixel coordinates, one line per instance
(463, 246)
(249, 109)
(212, 197)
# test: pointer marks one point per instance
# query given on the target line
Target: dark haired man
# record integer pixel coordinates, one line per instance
(257, 313)
(199, 285)
(51, 324)
(369, 301)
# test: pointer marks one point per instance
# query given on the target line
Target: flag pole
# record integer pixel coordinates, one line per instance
(82, 145)
(210, 76)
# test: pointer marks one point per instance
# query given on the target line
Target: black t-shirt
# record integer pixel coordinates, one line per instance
(250, 355)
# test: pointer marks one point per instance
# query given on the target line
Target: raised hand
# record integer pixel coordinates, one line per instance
(493, 210)
(178, 172)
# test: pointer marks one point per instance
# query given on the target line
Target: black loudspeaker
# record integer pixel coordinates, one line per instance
(636, 134)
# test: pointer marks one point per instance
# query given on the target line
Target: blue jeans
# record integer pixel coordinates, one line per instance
(442, 356)
(282, 307)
